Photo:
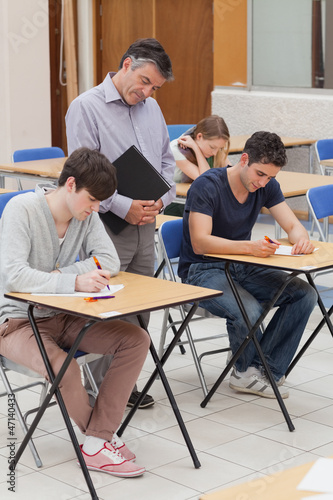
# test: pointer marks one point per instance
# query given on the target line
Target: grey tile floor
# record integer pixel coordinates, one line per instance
(237, 437)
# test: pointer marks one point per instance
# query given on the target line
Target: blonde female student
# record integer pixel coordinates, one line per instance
(202, 147)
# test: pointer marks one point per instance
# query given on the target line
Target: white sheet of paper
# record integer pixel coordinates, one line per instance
(319, 478)
(286, 250)
(108, 314)
(102, 293)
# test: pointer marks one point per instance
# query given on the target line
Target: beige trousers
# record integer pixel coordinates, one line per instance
(127, 343)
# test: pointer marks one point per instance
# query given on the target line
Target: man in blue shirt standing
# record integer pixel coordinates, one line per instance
(111, 117)
(221, 209)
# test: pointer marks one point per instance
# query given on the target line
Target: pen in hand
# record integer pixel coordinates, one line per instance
(271, 241)
(99, 267)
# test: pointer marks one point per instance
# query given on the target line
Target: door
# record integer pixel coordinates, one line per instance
(184, 28)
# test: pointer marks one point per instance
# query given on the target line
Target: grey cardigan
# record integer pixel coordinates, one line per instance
(30, 250)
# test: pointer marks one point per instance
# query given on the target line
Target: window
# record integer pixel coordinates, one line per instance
(292, 45)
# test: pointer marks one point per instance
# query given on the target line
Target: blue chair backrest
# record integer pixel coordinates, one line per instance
(172, 234)
(321, 199)
(176, 131)
(37, 154)
(4, 198)
(324, 149)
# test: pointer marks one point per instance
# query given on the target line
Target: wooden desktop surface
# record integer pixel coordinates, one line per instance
(140, 294)
(160, 218)
(45, 168)
(292, 183)
(4, 190)
(327, 163)
(319, 260)
(278, 486)
(53, 166)
(237, 142)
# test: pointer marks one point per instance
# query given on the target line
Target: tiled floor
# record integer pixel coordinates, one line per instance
(237, 437)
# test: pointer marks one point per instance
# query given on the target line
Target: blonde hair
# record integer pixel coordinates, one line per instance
(211, 127)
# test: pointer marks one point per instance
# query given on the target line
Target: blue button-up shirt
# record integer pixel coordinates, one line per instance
(100, 119)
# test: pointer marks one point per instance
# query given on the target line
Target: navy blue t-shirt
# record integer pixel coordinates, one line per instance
(210, 194)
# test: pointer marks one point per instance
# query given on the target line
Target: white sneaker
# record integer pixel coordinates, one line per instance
(255, 384)
(112, 462)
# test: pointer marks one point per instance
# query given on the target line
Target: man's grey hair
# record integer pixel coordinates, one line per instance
(149, 50)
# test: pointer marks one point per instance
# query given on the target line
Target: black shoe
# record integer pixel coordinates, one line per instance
(147, 400)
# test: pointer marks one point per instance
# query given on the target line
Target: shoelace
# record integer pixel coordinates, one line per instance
(114, 455)
(116, 441)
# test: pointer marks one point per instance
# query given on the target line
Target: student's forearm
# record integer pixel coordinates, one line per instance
(297, 233)
(214, 244)
(202, 162)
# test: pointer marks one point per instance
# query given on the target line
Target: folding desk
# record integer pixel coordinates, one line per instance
(48, 169)
(293, 184)
(140, 294)
(4, 191)
(279, 486)
(320, 260)
(237, 143)
(327, 163)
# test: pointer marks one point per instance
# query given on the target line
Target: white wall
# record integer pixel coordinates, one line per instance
(290, 114)
(25, 76)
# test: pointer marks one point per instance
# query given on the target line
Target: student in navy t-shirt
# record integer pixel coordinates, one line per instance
(221, 209)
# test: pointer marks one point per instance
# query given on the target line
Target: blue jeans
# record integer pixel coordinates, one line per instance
(256, 287)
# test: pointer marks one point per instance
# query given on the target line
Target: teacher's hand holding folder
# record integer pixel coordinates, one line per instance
(143, 212)
(143, 183)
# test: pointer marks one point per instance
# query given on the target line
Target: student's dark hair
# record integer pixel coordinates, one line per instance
(92, 171)
(266, 147)
(149, 50)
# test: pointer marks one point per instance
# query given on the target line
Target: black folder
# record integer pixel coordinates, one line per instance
(137, 179)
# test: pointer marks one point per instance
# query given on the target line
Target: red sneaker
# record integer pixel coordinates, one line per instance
(112, 462)
(119, 445)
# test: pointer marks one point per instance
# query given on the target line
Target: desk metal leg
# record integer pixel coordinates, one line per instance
(54, 389)
(277, 231)
(251, 336)
(159, 371)
(326, 320)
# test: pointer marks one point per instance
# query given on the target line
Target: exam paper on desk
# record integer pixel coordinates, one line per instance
(105, 291)
(286, 250)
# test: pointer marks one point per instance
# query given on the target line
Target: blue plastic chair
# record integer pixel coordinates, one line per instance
(4, 198)
(176, 131)
(324, 151)
(320, 202)
(37, 154)
(170, 236)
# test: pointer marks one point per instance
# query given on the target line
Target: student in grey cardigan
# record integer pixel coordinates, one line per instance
(41, 234)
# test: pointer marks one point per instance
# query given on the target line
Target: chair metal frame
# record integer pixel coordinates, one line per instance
(6, 365)
(169, 237)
